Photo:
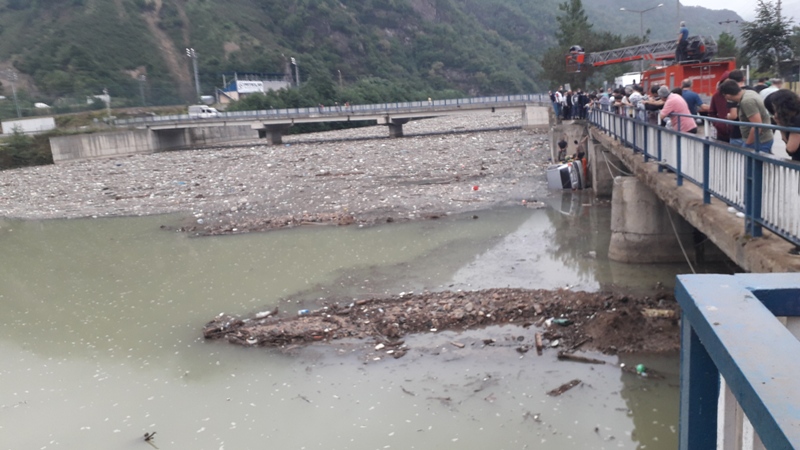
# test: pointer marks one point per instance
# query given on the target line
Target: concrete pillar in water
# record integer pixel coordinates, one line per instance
(605, 166)
(396, 127)
(641, 231)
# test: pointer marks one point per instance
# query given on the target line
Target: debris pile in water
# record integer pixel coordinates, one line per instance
(602, 321)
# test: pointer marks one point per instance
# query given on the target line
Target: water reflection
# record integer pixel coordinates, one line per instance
(102, 320)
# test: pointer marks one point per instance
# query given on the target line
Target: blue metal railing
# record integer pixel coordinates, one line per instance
(729, 328)
(334, 110)
(764, 188)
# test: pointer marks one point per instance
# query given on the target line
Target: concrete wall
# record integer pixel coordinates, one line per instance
(101, 145)
(572, 131)
(535, 117)
(135, 142)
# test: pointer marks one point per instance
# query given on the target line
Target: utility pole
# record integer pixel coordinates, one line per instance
(193, 55)
(728, 24)
(13, 76)
(142, 81)
(108, 106)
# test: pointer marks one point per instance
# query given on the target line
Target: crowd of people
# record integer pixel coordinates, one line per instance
(765, 103)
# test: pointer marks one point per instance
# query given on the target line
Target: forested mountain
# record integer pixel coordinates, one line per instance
(405, 48)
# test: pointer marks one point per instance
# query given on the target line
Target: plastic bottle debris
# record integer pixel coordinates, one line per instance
(303, 312)
(641, 369)
(562, 322)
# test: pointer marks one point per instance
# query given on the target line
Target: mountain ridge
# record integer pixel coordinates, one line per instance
(136, 48)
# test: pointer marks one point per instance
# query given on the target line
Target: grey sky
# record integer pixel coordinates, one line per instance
(745, 8)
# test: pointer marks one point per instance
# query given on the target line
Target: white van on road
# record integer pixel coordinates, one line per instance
(202, 112)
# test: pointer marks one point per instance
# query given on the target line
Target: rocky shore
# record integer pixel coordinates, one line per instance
(443, 165)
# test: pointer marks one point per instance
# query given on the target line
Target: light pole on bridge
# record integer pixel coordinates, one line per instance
(193, 55)
(641, 23)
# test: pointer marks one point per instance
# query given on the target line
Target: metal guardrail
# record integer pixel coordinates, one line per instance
(763, 187)
(729, 328)
(335, 110)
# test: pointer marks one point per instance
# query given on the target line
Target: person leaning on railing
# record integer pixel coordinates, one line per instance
(751, 109)
(676, 104)
(718, 109)
(653, 105)
(784, 106)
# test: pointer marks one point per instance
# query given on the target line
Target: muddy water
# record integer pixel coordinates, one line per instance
(101, 322)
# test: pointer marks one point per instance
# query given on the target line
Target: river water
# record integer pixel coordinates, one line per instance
(101, 338)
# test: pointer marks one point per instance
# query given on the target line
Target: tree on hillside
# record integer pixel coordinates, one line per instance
(766, 39)
(575, 29)
(573, 25)
(726, 45)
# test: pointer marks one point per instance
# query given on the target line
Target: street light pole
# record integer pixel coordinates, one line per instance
(296, 71)
(193, 55)
(641, 23)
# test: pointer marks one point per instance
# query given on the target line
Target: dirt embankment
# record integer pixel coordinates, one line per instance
(563, 319)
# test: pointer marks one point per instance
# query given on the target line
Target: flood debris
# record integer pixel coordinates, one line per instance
(538, 342)
(606, 322)
(564, 388)
(564, 356)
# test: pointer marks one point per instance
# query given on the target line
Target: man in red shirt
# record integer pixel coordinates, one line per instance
(719, 109)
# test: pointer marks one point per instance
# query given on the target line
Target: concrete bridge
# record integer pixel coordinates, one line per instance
(746, 203)
(738, 389)
(159, 133)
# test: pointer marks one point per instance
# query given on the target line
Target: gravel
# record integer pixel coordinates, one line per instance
(443, 165)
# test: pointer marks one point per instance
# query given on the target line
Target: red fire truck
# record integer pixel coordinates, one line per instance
(700, 65)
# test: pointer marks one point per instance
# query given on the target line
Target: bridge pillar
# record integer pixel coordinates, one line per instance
(396, 127)
(273, 133)
(642, 226)
(605, 166)
(534, 117)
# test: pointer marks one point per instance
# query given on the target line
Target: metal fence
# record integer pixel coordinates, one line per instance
(339, 109)
(766, 189)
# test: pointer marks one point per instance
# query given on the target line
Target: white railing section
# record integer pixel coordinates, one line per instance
(328, 110)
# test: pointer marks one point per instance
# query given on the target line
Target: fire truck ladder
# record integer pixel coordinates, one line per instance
(699, 48)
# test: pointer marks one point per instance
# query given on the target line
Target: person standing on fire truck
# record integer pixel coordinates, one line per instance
(683, 43)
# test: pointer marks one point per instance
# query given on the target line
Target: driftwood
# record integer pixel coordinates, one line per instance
(539, 345)
(564, 388)
(563, 356)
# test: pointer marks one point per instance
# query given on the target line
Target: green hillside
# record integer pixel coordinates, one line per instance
(66, 50)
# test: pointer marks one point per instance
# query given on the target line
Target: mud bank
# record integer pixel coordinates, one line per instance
(563, 320)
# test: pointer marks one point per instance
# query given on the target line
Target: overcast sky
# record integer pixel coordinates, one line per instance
(745, 8)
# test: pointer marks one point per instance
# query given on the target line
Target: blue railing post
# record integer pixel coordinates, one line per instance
(699, 393)
(678, 158)
(706, 172)
(753, 196)
(645, 132)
